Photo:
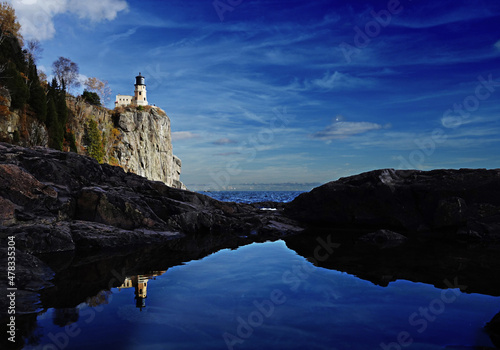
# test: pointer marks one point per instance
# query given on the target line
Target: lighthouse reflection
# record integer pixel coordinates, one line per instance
(140, 284)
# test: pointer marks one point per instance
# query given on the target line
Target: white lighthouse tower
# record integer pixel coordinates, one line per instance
(140, 98)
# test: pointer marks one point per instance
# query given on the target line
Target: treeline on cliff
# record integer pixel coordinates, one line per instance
(25, 91)
(30, 95)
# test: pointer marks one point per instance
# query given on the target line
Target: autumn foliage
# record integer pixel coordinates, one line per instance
(9, 26)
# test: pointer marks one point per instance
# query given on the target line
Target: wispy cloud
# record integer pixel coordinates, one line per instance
(115, 37)
(184, 135)
(497, 45)
(332, 81)
(225, 141)
(341, 130)
(437, 13)
(225, 154)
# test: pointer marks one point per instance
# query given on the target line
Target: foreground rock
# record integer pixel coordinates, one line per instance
(56, 201)
(440, 227)
(465, 202)
(52, 202)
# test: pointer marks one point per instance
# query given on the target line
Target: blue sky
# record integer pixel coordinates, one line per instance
(295, 91)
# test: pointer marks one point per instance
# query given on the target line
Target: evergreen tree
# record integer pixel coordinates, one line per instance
(16, 84)
(94, 139)
(62, 108)
(51, 114)
(91, 97)
(56, 135)
(37, 100)
(56, 115)
(52, 117)
(70, 137)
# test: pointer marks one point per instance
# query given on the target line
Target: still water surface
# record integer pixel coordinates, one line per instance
(265, 296)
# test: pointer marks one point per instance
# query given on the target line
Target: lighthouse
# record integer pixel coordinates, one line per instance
(140, 98)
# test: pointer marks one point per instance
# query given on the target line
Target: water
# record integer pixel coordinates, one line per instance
(265, 296)
(253, 196)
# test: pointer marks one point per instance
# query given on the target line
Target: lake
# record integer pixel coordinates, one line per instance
(266, 296)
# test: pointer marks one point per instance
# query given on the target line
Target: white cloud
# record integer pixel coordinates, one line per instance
(36, 16)
(97, 10)
(497, 45)
(82, 78)
(183, 135)
(340, 130)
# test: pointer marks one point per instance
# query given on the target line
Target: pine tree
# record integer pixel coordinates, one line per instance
(51, 114)
(62, 108)
(56, 115)
(94, 139)
(52, 117)
(52, 122)
(16, 84)
(37, 100)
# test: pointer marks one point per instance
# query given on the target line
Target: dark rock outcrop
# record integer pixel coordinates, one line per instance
(434, 227)
(465, 202)
(53, 202)
(57, 201)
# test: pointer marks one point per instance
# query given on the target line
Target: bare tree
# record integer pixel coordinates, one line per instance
(66, 72)
(100, 87)
(34, 50)
(42, 76)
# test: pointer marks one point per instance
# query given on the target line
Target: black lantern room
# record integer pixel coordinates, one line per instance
(139, 80)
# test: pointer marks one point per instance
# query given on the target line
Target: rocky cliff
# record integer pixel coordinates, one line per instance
(17, 126)
(138, 140)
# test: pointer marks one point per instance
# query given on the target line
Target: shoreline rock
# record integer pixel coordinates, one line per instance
(465, 202)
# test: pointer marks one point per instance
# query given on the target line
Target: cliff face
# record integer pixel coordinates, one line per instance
(139, 141)
(146, 148)
(19, 127)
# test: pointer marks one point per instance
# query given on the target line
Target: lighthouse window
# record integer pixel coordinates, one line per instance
(140, 93)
